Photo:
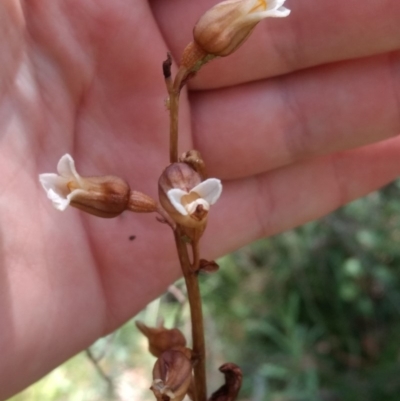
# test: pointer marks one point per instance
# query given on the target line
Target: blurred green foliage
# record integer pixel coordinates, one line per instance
(314, 313)
(310, 315)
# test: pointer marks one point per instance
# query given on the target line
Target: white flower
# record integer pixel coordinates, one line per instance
(205, 194)
(103, 196)
(186, 198)
(223, 28)
(62, 187)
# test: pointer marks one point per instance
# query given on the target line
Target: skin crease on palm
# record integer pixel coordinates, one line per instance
(302, 119)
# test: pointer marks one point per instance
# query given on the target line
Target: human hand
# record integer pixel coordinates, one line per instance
(286, 129)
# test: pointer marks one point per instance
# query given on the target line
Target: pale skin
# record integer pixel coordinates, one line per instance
(302, 119)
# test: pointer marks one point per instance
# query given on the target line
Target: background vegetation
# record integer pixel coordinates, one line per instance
(312, 314)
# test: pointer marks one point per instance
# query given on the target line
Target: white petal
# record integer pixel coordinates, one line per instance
(274, 9)
(59, 202)
(275, 4)
(281, 12)
(175, 196)
(210, 190)
(192, 206)
(278, 13)
(55, 183)
(56, 189)
(66, 168)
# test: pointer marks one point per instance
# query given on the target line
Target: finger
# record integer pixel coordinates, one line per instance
(260, 126)
(316, 32)
(285, 198)
(99, 66)
(11, 43)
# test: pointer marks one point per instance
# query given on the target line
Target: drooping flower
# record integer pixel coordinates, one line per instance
(223, 28)
(172, 375)
(185, 196)
(103, 196)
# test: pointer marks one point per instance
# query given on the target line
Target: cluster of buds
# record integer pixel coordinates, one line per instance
(172, 372)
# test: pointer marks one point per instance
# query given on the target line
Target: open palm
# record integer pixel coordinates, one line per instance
(296, 122)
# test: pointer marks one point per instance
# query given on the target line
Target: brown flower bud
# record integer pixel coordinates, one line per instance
(208, 266)
(193, 159)
(162, 339)
(223, 28)
(185, 197)
(172, 374)
(105, 196)
(233, 381)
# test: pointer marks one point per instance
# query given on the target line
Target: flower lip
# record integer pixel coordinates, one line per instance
(57, 185)
(205, 194)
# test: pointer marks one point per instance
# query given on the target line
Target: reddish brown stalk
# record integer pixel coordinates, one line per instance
(196, 256)
(173, 125)
(180, 80)
(192, 285)
(196, 314)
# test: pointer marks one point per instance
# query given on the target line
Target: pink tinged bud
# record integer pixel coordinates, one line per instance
(223, 28)
(105, 196)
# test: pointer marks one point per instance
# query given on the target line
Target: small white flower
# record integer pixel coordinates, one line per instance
(103, 196)
(205, 194)
(186, 198)
(62, 187)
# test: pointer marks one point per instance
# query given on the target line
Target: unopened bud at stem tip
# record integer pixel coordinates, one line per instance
(223, 28)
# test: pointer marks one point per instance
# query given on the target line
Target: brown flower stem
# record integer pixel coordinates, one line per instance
(196, 256)
(196, 314)
(173, 127)
(180, 80)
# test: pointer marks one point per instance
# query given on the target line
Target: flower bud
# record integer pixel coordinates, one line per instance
(223, 28)
(105, 196)
(208, 266)
(185, 197)
(172, 374)
(193, 159)
(162, 339)
(233, 382)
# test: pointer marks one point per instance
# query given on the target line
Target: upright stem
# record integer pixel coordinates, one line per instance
(173, 125)
(196, 314)
(192, 285)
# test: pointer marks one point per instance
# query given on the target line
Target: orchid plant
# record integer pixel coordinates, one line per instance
(185, 197)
